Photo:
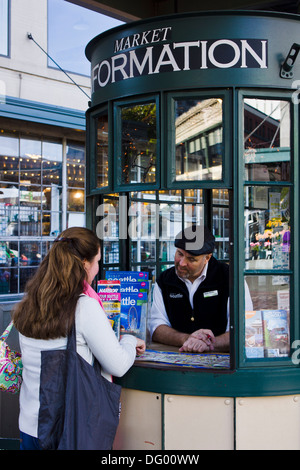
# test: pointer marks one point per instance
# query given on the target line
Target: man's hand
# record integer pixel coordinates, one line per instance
(199, 341)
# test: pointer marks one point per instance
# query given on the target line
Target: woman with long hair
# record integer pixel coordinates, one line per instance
(57, 295)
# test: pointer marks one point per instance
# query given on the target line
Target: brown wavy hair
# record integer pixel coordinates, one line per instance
(47, 310)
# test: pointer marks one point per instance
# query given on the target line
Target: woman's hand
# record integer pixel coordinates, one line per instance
(140, 346)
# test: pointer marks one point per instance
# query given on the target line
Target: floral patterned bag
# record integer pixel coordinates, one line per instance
(10, 365)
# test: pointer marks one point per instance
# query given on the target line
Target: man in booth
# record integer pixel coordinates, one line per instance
(190, 307)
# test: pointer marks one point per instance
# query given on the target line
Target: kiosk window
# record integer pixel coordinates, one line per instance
(268, 218)
(102, 150)
(139, 143)
(267, 127)
(198, 139)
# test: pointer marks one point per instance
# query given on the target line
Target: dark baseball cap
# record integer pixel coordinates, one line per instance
(196, 240)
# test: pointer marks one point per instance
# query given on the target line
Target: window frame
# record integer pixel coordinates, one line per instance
(91, 156)
(226, 180)
(293, 271)
(118, 105)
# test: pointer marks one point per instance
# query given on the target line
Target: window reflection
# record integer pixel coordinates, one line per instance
(108, 231)
(30, 161)
(9, 210)
(52, 163)
(75, 200)
(75, 164)
(51, 223)
(267, 131)
(102, 151)
(199, 139)
(31, 169)
(139, 144)
(51, 198)
(267, 227)
(9, 161)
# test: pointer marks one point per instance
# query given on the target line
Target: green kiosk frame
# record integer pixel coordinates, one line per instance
(196, 117)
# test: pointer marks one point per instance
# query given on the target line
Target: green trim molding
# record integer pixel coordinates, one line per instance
(272, 381)
(33, 111)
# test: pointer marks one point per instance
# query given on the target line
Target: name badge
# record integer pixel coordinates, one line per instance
(212, 293)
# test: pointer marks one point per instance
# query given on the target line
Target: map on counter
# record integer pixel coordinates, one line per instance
(202, 361)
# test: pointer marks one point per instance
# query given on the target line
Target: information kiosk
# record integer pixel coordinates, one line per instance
(194, 118)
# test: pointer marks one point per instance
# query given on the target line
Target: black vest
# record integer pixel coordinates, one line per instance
(210, 300)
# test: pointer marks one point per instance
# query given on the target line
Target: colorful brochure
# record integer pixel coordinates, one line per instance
(134, 288)
(267, 334)
(110, 296)
(276, 333)
(133, 313)
(127, 276)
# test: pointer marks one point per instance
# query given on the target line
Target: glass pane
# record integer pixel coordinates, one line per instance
(5, 277)
(25, 275)
(199, 139)
(9, 267)
(267, 326)
(193, 196)
(170, 223)
(51, 198)
(220, 197)
(30, 210)
(30, 221)
(52, 163)
(142, 231)
(102, 151)
(46, 247)
(142, 250)
(8, 254)
(142, 218)
(9, 210)
(170, 195)
(193, 214)
(267, 227)
(51, 223)
(144, 195)
(267, 130)
(108, 230)
(30, 253)
(30, 161)
(75, 199)
(9, 158)
(111, 252)
(75, 165)
(221, 232)
(139, 144)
